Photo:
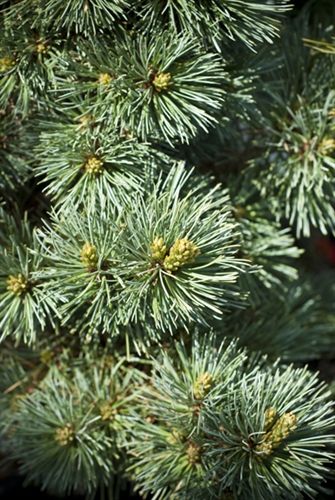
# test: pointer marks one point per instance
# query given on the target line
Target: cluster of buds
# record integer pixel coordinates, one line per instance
(277, 430)
(193, 452)
(104, 79)
(326, 146)
(94, 165)
(162, 81)
(107, 411)
(89, 256)
(41, 46)
(158, 249)
(6, 63)
(182, 252)
(202, 385)
(65, 435)
(18, 285)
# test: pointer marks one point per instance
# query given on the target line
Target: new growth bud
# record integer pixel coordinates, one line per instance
(279, 430)
(89, 256)
(18, 285)
(202, 385)
(162, 81)
(93, 165)
(181, 253)
(6, 63)
(158, 249)
(64, 435)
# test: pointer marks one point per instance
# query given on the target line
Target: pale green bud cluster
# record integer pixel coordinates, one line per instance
(93, 165)
(105, 79)
(327, 146)
(89, 256)
(162, 81)
(202, 385)
(193, 452)
(107, 411)
(18, 285)
(6, 63)
(41, 47)
(279, 430)
(182, 252)
(269, 418)
(64, 435)
(158, 249)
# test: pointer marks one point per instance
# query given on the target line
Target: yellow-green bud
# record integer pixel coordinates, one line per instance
(269, 418)
(282, 428)
(41, 47)
(158, 249)
(162, 81)
(105, 79)
(107, 411)
(86, 121)
(193, 452)
(18, 285)
(202, 385)
(181, 253)
(89, 256)
(175, 437)
(64, 435)
(6, 63)
(94, 165)
(326, 146)
(286, 424)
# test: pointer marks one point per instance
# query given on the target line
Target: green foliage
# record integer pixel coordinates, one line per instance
(301, 165)
(248, 432)
(265, 243)
(68, 432)
(27, 60)
(297, 324)
(171, 91)
(251, 22)
(190, 278)
(84, 284)
(26, 305)
(16, 140)
(80, 16)
(196, 289)
(213, 21)
(295, 164)
(83, 160)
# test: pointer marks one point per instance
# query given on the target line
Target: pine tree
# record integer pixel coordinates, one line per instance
(166, 167)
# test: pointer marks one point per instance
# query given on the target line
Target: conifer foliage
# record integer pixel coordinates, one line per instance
(166, 167)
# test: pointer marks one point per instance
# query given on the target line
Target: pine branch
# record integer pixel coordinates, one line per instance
(215, 427)
(27, 63)
(68, 432)
(26, 305)
(217, 21)
(81, 160)
(169, 88)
